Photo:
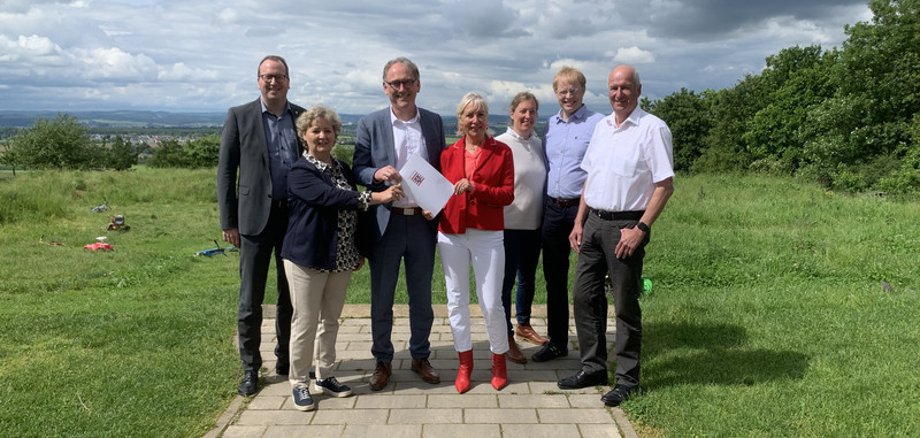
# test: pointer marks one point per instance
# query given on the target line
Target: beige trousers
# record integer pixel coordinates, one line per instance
(317, 298)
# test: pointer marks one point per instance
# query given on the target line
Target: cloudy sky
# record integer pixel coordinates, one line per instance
(202, 55)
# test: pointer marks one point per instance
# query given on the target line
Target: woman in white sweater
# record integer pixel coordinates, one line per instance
(523, 219)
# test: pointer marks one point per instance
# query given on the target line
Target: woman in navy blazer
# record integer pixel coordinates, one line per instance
(321, 250)
(470, 229)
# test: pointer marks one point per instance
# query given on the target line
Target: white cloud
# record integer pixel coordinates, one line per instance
(633, 55)
(202, 55)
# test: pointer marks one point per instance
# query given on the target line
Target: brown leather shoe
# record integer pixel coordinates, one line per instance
(424, 369)
(514, 353)
(527, 332)
(381, 376)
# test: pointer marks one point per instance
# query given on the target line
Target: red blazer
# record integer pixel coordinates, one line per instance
(494, 187)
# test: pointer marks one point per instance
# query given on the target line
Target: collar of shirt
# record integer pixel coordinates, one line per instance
(287, 107)
(580, 114)
(395, 121)
(510, 131)
(631, 119)
(319, 164)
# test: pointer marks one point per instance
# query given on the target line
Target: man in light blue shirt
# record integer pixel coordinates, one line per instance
(565, 140)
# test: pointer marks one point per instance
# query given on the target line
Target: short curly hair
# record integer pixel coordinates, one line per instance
(318, 112)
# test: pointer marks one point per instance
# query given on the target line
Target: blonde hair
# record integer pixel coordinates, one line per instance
(569, 74)
(318, 112)
(468, 99)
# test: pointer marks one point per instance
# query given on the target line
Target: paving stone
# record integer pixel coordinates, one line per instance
(312, 431)
(599, 431)
(378, 401)
(540, 430)
(499, 416)
(462, 430)
(351, 416)
(425, 416)
(462, 401)
(268, 418)
(236, 431)
(382, 430)
(585, 400)
(532, 401)
(531, 406)
(262, 402)
(578, 416)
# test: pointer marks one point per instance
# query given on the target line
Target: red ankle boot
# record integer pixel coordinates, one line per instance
(499, 372)
(464, 372)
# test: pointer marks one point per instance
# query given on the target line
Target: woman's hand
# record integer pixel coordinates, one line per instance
(464, 185)
(392, 193)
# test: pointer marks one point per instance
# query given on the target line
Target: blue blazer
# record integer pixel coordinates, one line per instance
(314, 203)
(375, 148)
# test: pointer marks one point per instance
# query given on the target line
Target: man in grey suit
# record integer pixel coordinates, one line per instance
(385, 140)
(259, 141)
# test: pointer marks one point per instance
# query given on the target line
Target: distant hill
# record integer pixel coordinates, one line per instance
(164, 119)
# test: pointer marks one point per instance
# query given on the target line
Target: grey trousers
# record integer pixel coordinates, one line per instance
(596, 259)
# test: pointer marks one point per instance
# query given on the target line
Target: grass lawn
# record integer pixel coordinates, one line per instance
(768, 314)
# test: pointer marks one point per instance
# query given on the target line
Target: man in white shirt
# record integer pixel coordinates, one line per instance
(630, 166)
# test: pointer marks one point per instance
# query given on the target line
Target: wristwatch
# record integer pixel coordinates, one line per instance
(644, 227)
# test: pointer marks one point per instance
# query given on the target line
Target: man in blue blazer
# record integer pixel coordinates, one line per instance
(259, 141)
(385, 140)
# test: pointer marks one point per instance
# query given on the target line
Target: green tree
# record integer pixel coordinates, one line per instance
(168, 153)
(202, 151)
(687, 115)
(797, 79)
(121, 156)
(61, 143)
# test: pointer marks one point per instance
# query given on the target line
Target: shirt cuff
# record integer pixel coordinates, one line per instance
(364, 200)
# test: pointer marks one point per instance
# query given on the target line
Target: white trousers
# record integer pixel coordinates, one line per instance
(487, 252)
(318, 298)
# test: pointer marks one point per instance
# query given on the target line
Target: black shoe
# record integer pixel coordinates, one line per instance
(302, 399)
(282, 367)
(619, 394)
(549, 351)
(331, 386)
(582, 379)
(250, 383)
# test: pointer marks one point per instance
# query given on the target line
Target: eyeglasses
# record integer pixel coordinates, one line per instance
(269, 78)
(400, 83)
(572, 91)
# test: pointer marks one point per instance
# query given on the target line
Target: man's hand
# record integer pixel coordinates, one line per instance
(575, 236)
(427, 214)
(630, 239)
(387, 173)
(232, 235)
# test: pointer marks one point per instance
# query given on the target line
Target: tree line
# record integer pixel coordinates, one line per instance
(846, 118)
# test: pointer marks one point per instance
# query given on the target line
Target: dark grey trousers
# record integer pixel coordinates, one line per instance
(255, 257)
(595, 260)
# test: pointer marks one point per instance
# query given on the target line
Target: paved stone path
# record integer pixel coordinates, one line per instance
(530, 406)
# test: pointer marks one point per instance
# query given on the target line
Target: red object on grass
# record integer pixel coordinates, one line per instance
(99, 245)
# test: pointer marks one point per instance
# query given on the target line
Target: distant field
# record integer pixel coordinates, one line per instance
(778, 309)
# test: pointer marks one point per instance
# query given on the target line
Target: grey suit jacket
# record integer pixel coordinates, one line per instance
(245, 203)
(375, 148)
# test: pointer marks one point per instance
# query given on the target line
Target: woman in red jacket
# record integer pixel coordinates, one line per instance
(470, 229)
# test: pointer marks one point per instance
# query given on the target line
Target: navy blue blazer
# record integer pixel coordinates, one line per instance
(314, 203)
(375, 148)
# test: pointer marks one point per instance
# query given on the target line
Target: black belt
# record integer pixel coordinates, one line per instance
(411, 211)
(280, 204)
(564, 203)
(618, 215)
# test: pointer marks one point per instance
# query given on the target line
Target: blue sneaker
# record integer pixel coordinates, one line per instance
(302, 399)
(332, 387)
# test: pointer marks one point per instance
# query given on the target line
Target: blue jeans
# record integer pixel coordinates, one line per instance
(522, 252)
